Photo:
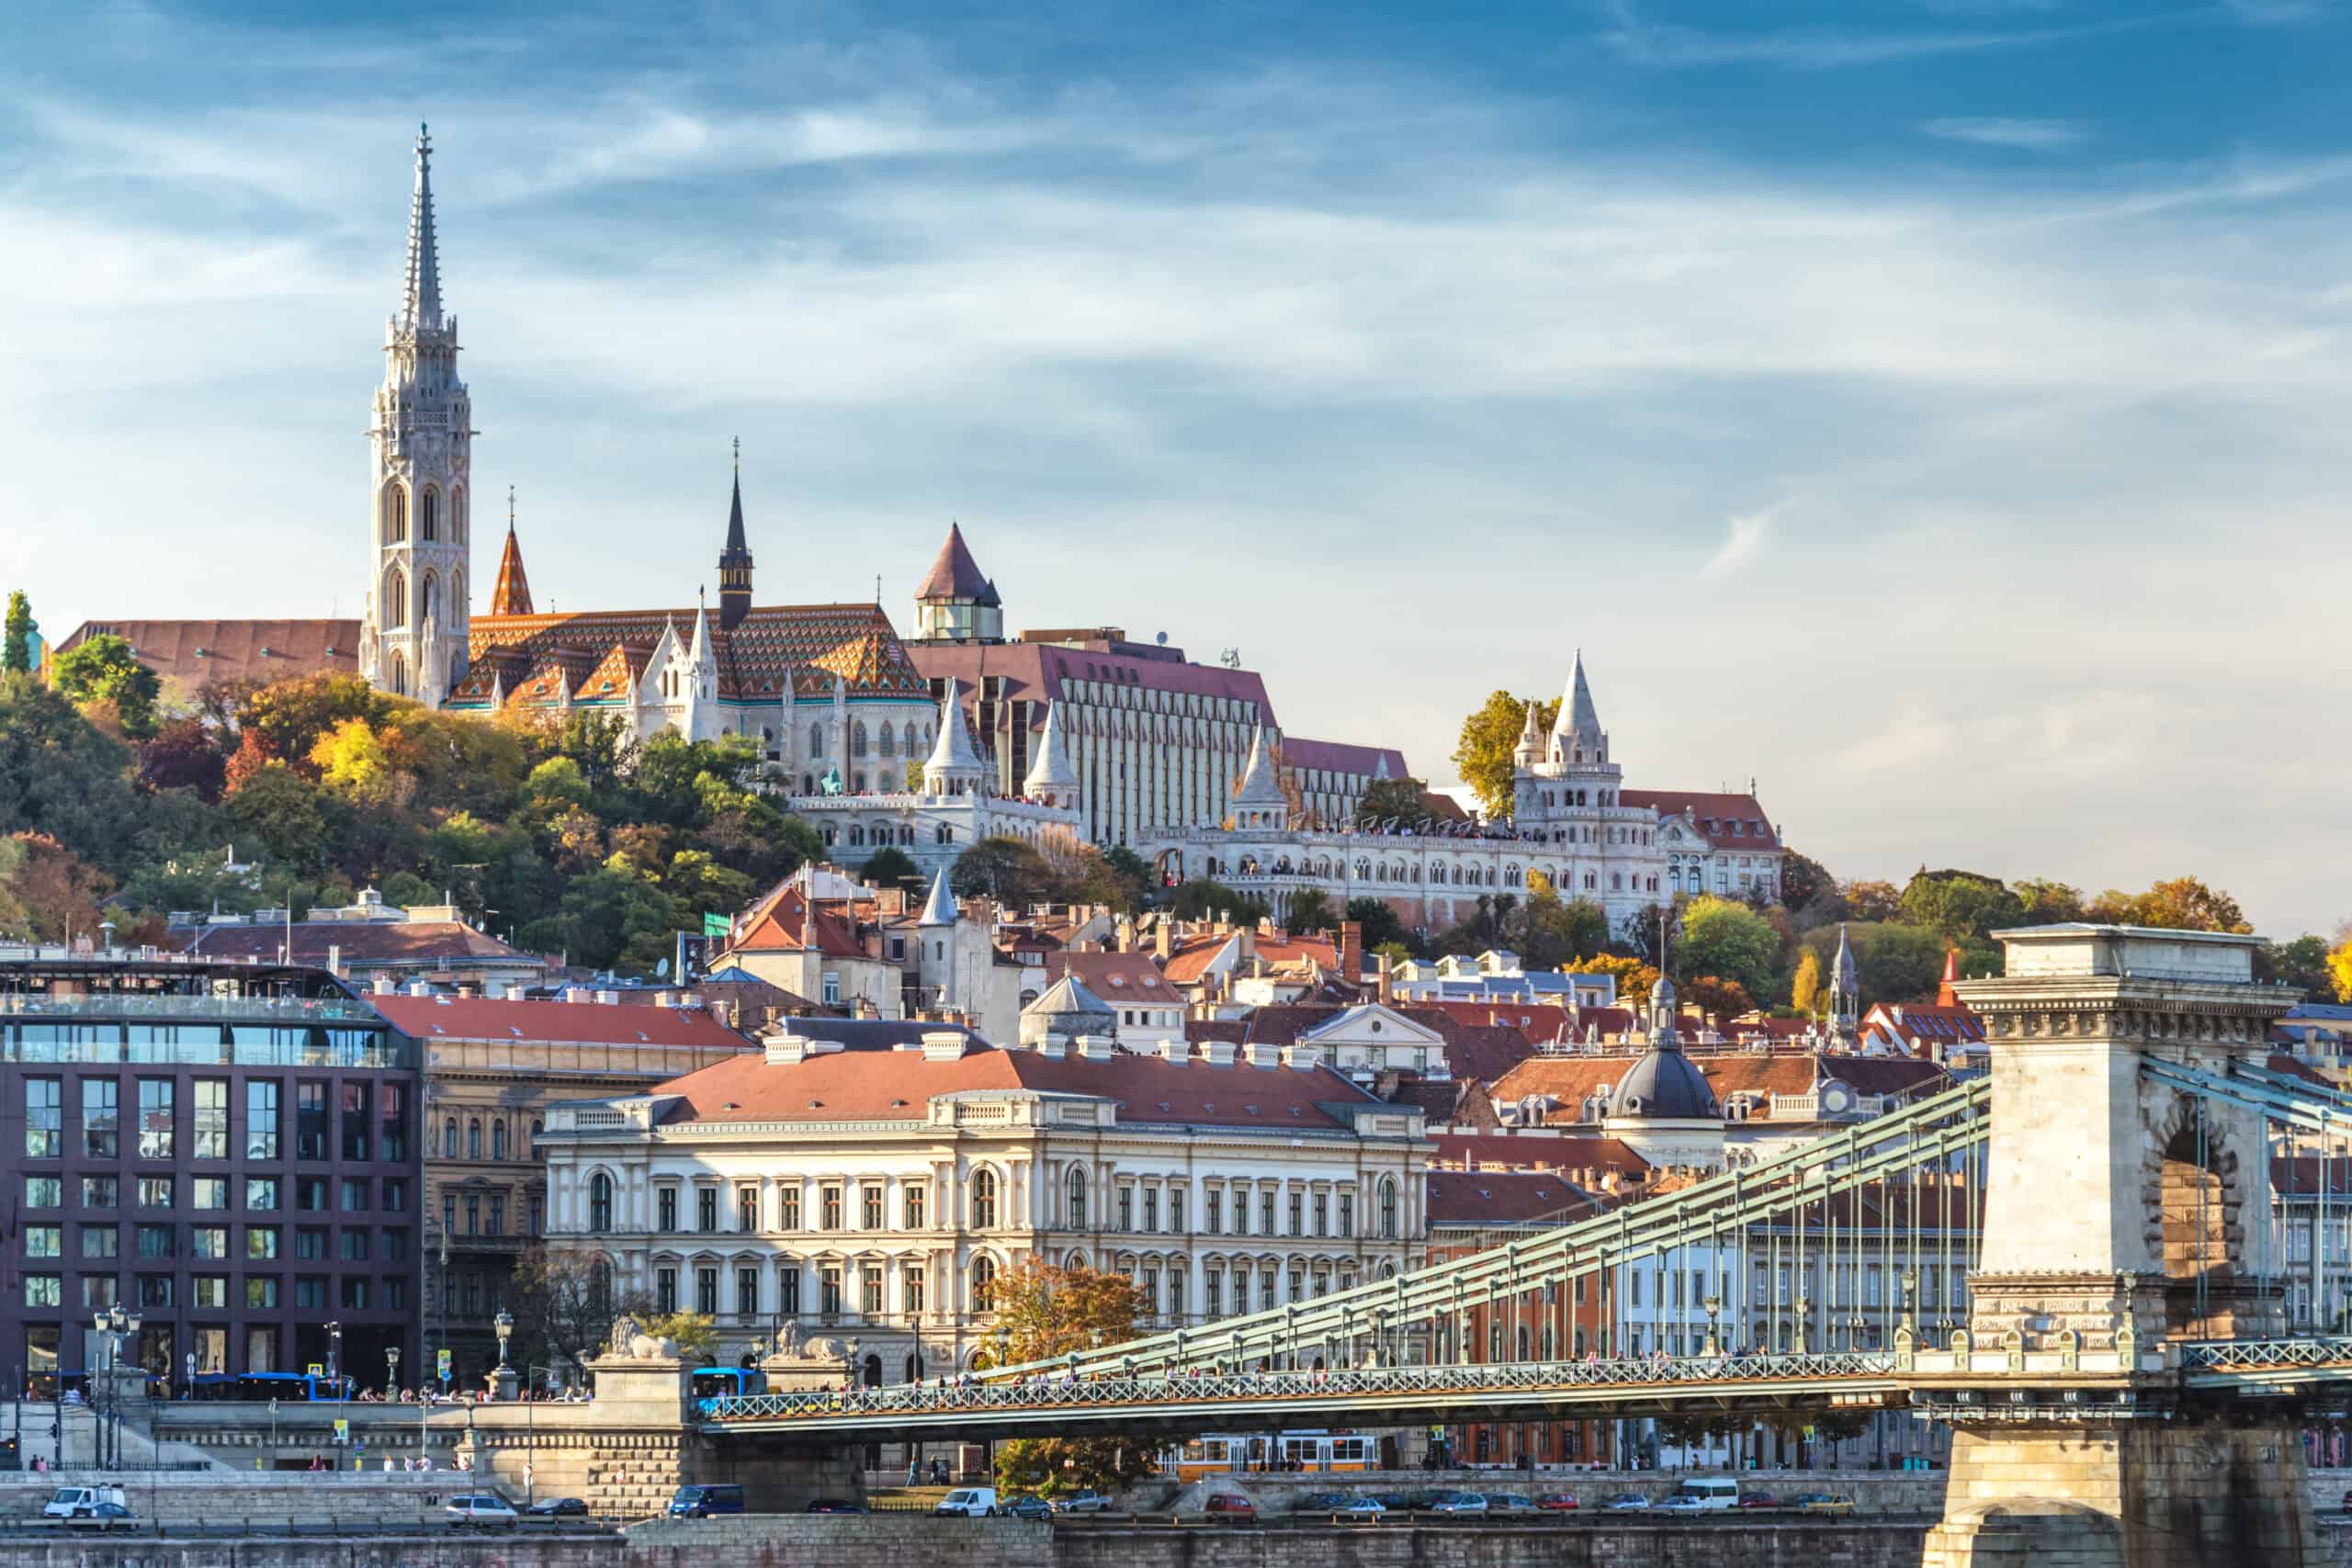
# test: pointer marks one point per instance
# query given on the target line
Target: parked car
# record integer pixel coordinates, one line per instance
(1403, 1502)
(104, 1517)
(1711, 1491)
(1229, 1505)
(1320, 1503)
(1026, 1507)
(559, 1508)
(482, 1511)
(969, 1502)
(1363, 1510)
(702, 1502)
(1681, 1503)
(836, 1505)
(1508, 1503)
(1457, 1503)
(71, 1501)
(1557, 1502)
(1821, 1503)
(1627, 1502)
(1082, 1503)
(1749, 1499)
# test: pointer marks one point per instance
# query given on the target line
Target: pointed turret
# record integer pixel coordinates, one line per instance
(1945, 996)
(940, 909)
(1051, 778)
(699, 653)
(421, 299)
(735, 560)
(957, 603)
(511, 593)
(954, 766)
(1529, 749)
(1845, 991)
(1576, 731)
(1258, 799)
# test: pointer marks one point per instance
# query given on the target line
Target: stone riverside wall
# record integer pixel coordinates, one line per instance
(882, 1541)
(368, 1501)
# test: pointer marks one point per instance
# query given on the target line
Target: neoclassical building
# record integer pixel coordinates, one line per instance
(875, 1195)
(1574, 824)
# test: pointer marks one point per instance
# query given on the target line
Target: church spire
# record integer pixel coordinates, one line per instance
(735, 560)
(511, 593)
(421, 300)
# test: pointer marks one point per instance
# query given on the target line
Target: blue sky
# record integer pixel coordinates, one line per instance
(1935, 411)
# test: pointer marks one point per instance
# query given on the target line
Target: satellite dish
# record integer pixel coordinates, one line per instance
(1161, 638)
(661, 970)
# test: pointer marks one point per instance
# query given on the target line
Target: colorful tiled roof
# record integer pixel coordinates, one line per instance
(1726, 821)
(776, 649)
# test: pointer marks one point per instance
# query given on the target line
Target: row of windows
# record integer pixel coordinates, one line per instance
(396, 512)
(1136, 1207)
(211, 1293)
(498, 1143)
(206, 1243)
(156, 1130)
(310, 1194)
(495, 1204)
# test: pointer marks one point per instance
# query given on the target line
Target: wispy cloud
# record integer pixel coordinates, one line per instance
(1672, 45)
(1745, 536)
(2027, 135)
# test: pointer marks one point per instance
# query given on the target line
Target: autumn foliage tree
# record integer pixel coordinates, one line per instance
(1044, 1312)
(1489, 735)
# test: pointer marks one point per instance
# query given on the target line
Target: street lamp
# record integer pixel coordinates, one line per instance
(849, 1366)
(113, 1324)
(1713, 1305)
(504, 1323)
(391, 1370)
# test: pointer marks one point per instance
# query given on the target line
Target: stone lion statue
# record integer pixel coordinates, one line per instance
(651, 1348)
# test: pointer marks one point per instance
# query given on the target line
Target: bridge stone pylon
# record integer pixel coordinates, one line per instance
(2123, 1217)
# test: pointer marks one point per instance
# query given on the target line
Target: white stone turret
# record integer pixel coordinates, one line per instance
(936, 936)
(1577, 736)
(413, 638)
(954, 766)
(1258, 800)
(1051, 778)
(1529, 749)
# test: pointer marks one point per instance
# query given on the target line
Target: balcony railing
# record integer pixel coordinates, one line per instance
(185, 1004)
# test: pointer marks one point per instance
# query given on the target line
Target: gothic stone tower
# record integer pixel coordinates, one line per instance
(413, 639)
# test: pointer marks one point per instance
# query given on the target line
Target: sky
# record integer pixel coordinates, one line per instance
(1933, 411)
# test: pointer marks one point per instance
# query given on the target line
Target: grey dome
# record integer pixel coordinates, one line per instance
(1665, 1084)
(1067, 1010)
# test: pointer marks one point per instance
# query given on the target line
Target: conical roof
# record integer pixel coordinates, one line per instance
(953, 752)
(511, 593)
(1259, 786)
(1578, 718)
(1843, 976)
(1050, 772)
(953, 574)
(940, 909)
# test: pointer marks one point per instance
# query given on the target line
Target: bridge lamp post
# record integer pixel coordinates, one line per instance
(849, 1365)
(504, 1326)
(1715, 1306)
(1804, 1321)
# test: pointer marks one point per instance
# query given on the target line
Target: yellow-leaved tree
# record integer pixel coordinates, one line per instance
(1044, 1312)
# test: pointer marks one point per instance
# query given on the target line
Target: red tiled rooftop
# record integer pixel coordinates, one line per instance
(570, 1024)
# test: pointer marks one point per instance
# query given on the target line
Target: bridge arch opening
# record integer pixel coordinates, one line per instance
(2200, 1236)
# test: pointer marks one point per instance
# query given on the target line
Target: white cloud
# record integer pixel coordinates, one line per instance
(1744, 535)
(2026, 135)
(1673, 46)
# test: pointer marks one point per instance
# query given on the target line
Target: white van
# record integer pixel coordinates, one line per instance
(971, 1502)
(1711, 1491)
(80, 1502)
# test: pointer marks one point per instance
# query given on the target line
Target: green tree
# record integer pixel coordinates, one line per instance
(1382, 925)
(283, 815)
(1872, 900)
(2302, 963)
(1311, 910)
(1960, 905)
(60, 776)
(1399, 799)
(695, 1334)
(1207, 898)
(1549, 932)
(1007, 870)
(1808, 888)
(103, 669)
(16, 654)
(1489, 735)
(1730, 940)
(891, 866)
(2184, 903)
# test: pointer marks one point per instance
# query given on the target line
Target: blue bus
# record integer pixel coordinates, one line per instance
(712, 1384)
(259, 1386)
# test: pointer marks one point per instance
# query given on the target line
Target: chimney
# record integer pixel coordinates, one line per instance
(1245, 951)
(384, 986)
(1352, 952)
(610, 998)
(1945, 996)
(1386, 982)
(1304, 1058)
(1217, 1052)
(943, 1045)
(420, 987)
(1053, 1048)
(787, 1048)
(1164, 939)
(1094, 1047)
(1261, 1053)
(335, 960)
(1124, 935)
(1176, 1052)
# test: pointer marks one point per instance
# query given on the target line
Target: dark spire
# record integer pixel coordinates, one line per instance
(735, 560)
